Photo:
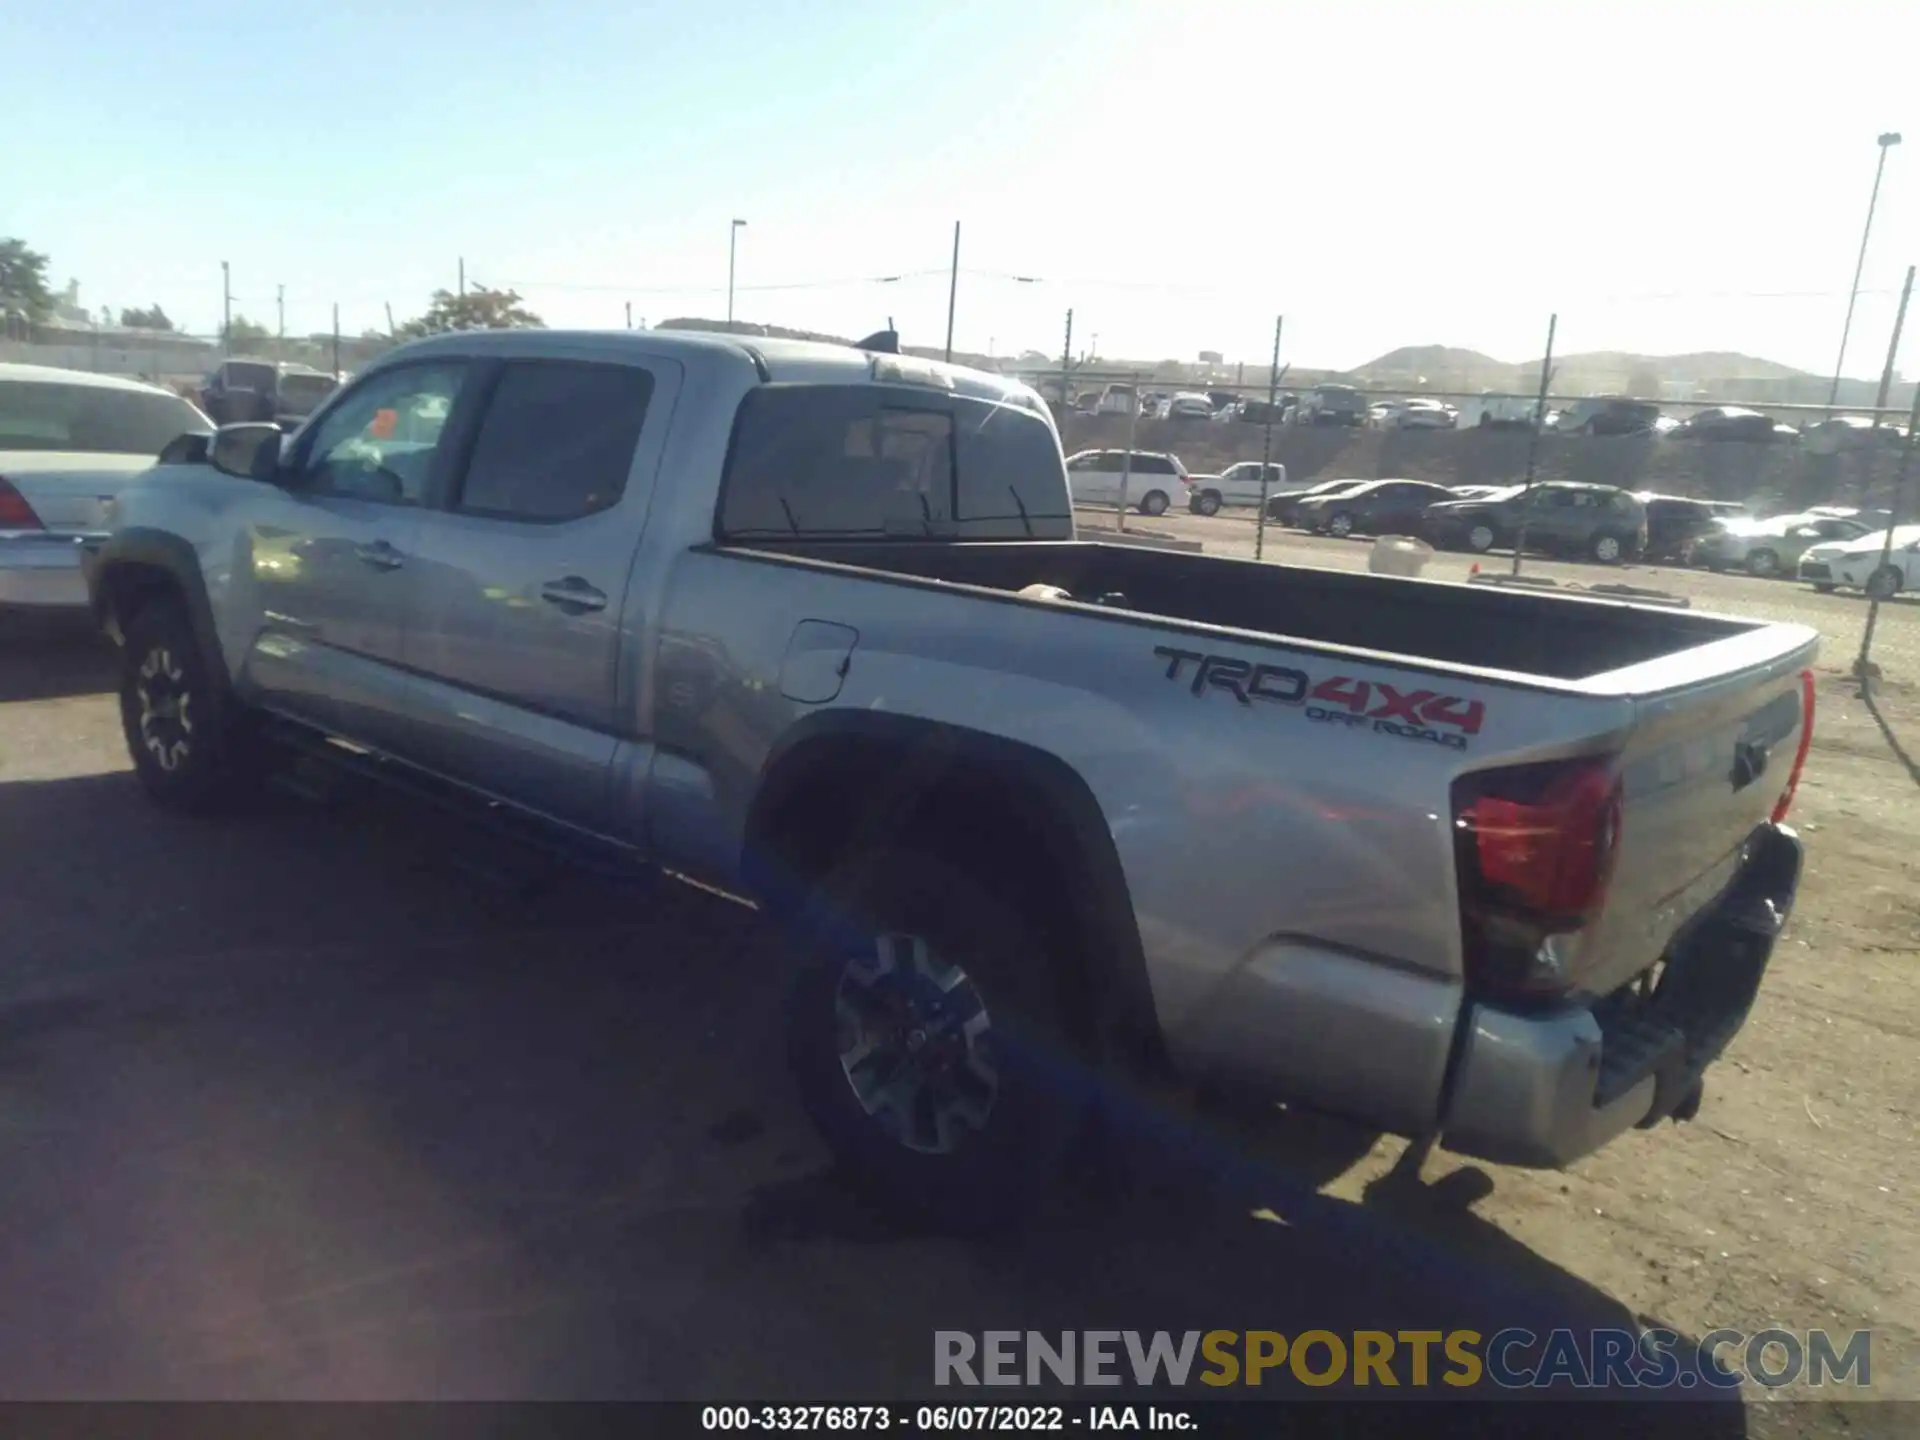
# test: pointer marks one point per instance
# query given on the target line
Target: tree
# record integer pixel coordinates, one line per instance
(152, 318)
(23, 282)
(478, 309)
(243, 335)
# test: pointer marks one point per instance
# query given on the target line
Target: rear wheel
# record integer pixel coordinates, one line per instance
(1154, 502)
(192, 747)
(925, 1039)
(1207, 502)
(1763, 563)
(1884, 583)
(1480, 539)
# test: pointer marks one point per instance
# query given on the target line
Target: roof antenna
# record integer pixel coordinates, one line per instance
(881, 342)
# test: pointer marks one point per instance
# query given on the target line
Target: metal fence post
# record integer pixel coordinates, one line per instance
(1266, 445)
(1860, 665)
(1126, 464)
(1533, 443)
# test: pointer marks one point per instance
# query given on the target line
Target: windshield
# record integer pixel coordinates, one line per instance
(37, 415)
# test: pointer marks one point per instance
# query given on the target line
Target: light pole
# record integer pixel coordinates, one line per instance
(1886, 142)
(733, 236)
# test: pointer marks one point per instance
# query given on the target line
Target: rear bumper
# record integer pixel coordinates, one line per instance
(40, 570)
(1546, 1089)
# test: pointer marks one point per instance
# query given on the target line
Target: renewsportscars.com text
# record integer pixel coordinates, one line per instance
(1512, 1359)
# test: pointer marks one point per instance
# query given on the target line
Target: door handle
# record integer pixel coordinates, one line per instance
(573, 595)
(379, 554)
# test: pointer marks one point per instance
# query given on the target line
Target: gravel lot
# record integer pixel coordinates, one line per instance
(322, 1102)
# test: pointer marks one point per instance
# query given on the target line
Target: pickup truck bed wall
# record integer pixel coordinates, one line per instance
(1535, 636)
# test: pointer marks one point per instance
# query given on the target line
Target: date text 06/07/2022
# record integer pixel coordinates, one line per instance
(940, 1419)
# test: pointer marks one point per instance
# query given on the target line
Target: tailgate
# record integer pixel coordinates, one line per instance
(1704, 766)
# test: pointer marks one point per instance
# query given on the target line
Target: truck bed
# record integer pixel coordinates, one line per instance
(1483, 628)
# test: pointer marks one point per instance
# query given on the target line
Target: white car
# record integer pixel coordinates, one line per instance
(1189, 406)
(1236, 485)
(1146, 480)
(70, 442)
(1412, 414)
(1490, 410)
(1856, 565)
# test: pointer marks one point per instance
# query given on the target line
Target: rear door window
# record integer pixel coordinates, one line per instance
(556, 441)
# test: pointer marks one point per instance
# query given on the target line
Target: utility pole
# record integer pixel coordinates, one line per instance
(733, 236)
(463, 277)
(1066, 369)
(280, 333)
(226, 308)
(336, 340)
(1533, 441)
(1893, 347)
(392, 334)
(1886, 142)
(1886, 546)
(953, 287)
(629, 314)
(1266, 446)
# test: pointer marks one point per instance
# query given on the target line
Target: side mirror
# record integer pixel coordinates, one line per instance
(247, 452)
(188, 448)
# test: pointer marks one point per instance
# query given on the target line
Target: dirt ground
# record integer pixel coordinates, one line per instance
(1791, 1199)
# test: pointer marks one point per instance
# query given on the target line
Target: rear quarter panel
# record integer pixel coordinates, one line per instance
(1235, 821)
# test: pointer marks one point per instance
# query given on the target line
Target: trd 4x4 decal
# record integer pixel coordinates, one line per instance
(1373, 705)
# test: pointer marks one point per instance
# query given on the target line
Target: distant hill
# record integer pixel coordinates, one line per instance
(1445, 367)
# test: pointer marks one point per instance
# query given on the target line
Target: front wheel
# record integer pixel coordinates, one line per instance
(1607, 549)
(192, 749)
(1154, 502)
(1206, 503)
(1480, 539)
(1884, 583)
(924, 1037)
(1340, 526)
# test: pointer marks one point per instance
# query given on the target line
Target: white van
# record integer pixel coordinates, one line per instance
(1152, 481)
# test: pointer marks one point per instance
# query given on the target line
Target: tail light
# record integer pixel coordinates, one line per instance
(15, 512)
(1534, 846)
(1800, 753)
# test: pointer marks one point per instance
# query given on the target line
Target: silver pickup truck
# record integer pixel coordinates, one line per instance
(810, 624)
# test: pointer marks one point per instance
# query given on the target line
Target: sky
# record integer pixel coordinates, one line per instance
(1665, 177)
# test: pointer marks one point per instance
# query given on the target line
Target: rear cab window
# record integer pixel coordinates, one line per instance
(872, 461)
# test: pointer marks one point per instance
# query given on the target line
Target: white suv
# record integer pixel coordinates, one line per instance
(1151, 481)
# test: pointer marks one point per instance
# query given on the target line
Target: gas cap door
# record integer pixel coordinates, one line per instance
(817, 659)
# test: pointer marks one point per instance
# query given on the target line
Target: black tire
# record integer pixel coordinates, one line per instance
(1883, 584)
(1154, 502)
(1607, 548)
(1207, 502)
(193, 748)
(861, 937)
(1763, 563)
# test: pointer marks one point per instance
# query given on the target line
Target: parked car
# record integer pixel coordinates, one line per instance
(1260, 412)
(1238, 484)
(1412, 414)
(1285, 509)
(1119, 398)
(1379, 507)
(284, 395)
(1494, 411)
(1773, 546)
(1675, 522)
(1727, 422)
(1597, 522)
(1856, 563)
(1607, 415)
(1331, 405)
(846, 658)
(1189, 406)
(70, 444)
(1152, 481)
(1843, 433)
(1476, 492)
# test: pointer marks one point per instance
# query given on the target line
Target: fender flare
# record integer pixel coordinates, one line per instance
(1075, 832)
(156, 550)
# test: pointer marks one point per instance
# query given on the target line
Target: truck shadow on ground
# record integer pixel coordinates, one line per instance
(299, 1111)
(49, 658)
